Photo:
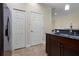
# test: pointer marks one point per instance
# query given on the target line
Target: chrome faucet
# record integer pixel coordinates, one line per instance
(70, 29)
(74, 33)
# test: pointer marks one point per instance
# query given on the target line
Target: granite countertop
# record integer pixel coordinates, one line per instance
(66, 36)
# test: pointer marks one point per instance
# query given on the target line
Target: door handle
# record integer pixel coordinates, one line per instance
(32, 31)
(6, 30)
(61, 46)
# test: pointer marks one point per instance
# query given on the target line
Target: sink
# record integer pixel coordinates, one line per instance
(66, 35)
(75, 37)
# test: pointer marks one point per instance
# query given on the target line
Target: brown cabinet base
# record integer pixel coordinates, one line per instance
(61, 46)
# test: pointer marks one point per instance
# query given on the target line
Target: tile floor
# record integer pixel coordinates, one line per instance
(37, 50)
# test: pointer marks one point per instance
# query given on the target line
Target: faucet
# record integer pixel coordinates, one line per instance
(74, 33)
(70, 32)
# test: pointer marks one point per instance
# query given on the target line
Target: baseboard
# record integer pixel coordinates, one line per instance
(27, 46)
(35, 44)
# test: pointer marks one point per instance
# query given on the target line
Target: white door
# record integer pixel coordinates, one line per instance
(36, 28)
(19, 29)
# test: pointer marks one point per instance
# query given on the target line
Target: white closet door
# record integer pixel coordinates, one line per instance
(36, 28)
(19, 31)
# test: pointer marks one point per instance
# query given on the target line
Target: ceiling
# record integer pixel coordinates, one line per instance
(59, 7)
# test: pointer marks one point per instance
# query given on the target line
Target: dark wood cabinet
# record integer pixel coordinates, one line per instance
(47, 44)
(61, 46)
(70, 51)
(71, 47)
(52, 46)
(55, 49)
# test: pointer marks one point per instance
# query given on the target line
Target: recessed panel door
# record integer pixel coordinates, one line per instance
(36, 28)
(19, 28)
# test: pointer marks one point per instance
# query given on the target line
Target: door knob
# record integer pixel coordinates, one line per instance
(61, 46)
(32, 31)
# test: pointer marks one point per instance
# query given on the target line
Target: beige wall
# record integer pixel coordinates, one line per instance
(64, 21)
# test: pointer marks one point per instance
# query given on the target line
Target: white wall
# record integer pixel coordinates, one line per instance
(64, 21)
(44, 10)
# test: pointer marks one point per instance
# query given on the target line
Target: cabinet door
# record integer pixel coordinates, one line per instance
(55, 47)
(70, 51)
(47, 43)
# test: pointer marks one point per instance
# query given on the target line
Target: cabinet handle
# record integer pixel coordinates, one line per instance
(61, 46)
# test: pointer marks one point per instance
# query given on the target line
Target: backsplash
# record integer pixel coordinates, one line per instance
(67, 31)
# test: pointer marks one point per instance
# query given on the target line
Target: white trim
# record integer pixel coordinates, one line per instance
(28, 46)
